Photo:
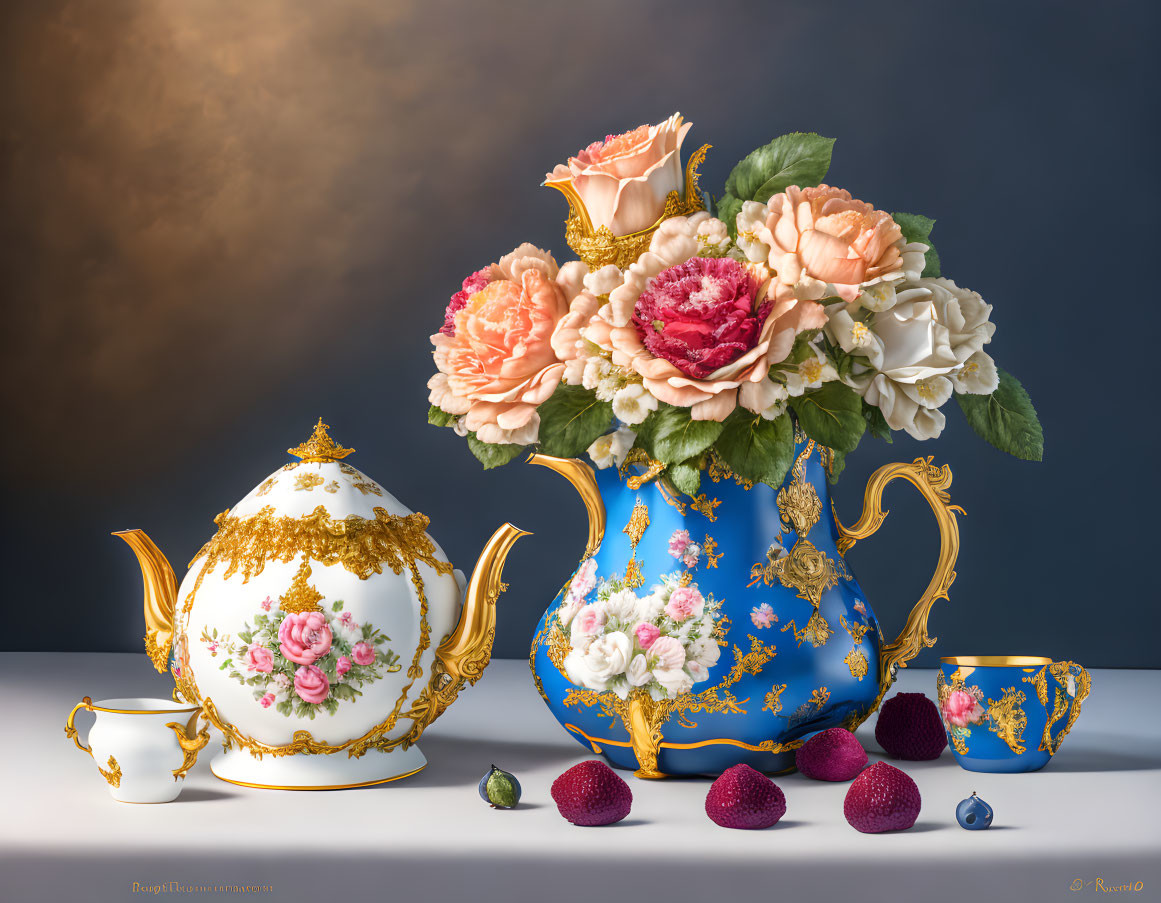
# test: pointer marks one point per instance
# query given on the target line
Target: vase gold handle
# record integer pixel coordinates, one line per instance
(584, 481)
(932, 482)
(71, 727)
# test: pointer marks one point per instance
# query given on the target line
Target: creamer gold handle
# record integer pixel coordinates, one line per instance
(191, 741)
(71, 727)
(932, 483)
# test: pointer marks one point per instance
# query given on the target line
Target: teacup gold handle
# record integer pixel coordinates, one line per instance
(1083, 685)
(70, 725)
(192, 741)
(932, 483)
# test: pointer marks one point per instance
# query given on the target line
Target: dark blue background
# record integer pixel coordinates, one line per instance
(337, 187)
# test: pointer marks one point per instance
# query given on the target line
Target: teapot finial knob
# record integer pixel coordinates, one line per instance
(320, 447)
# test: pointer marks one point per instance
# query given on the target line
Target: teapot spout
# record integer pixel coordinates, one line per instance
(160, 596)
(468, 649)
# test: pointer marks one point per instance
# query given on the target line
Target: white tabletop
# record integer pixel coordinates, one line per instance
(1093, 814)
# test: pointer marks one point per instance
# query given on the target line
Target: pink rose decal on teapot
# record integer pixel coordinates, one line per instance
(300, 662)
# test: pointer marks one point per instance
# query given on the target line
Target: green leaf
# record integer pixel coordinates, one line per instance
(832, 415)
(492, 455)
(439, 417)
(672, 436)
(337, 605)
(571, 420)
(686, 475)
(756, 449)
(800, 158)
(728, 208)
(840, 464)
(1006, 419)
(917, 227)
(877, 423)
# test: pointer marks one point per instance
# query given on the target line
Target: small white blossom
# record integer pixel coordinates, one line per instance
(633, 404)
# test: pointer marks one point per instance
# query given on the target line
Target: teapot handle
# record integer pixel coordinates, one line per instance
(932, 483)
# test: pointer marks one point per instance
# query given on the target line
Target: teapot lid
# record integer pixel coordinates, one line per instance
(320, 447)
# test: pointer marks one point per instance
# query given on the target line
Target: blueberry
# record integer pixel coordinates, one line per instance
(973, 814)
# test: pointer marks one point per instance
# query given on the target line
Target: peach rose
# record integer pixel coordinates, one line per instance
(624, 180)
(744, 380)
(499, 364)
(821, 236)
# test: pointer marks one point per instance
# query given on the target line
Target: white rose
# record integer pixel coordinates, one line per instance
(609, 656)
(697, 671)
(704, 651)
(579, 672)
(633, 404)
(622, 605)
(675, 680)
(649, 607)
(638, 674)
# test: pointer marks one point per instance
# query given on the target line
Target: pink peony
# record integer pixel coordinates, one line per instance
(678, 540)
(311, 684)
(342, 666)
(258, 658)
(668, 652)
(363, 653)
(459, 300)
(822, 236)
(345, 619)
(685, 602)
(646, 634)
(704, 304)
(268, 700)
(700, 315)
(961, 709)
(500, 363)
(304, 637)
(623, 181)
(763, 615)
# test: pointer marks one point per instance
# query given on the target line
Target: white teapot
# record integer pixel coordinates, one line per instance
(321, 629)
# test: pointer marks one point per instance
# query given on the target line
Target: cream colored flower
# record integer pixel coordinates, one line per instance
(633, 403)
(675, 680)
(610, 449)
(609, 656)
(977, 376)
(638, 674)
(754, 238)
(704, 651)
(811, 373)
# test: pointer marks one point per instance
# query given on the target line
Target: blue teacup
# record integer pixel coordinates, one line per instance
(1008, 713)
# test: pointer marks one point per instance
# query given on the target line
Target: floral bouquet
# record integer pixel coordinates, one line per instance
(693, 326)
(301, 661)
(663, 642)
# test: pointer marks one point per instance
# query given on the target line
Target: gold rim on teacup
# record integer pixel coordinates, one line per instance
(997, 661)
(103, 707)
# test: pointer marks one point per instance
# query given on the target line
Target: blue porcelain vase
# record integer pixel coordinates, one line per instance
(1008, 713)
(756, 633)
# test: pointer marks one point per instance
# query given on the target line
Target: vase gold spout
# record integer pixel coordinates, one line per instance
(160, 596)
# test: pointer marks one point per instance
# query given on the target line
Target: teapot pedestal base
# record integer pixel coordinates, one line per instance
(337, 771)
